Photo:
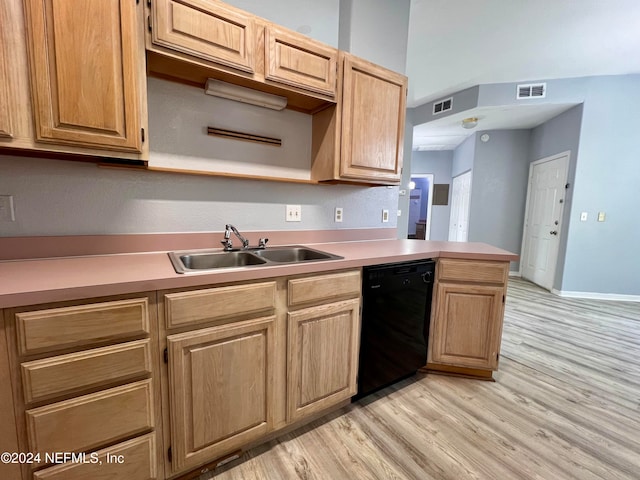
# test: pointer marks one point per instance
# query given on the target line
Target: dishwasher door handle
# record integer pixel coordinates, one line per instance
(426, 277)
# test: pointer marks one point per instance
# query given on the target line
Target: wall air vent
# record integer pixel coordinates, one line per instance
(442, 106)
(532, 90)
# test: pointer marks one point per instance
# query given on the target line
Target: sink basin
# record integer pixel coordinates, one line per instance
(294, 254)
(202, 260)
(212, 260)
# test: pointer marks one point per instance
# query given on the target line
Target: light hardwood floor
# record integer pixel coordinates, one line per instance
(565, 405)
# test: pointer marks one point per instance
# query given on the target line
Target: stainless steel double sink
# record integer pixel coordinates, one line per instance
(188, 261)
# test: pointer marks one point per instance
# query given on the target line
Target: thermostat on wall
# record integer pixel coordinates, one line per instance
(485, 137)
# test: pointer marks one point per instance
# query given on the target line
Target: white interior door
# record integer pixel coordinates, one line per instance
(460, 203)
(545, 202)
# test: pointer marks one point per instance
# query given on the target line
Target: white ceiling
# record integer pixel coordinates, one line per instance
(447, 133)
(456, 44)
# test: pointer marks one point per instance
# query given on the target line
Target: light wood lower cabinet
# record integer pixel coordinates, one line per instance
(322, 357)
(232, 380)
(221, 389)
(466, 324)
(85, 376)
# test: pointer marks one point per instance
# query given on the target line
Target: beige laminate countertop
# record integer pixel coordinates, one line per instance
(29, 282)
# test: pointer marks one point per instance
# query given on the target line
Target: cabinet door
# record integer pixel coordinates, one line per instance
(300, 62)
(373, 114)
(467, 325)
(322, 357)
(5, 118)
(86, 62)
(221, 389)
(206, 29)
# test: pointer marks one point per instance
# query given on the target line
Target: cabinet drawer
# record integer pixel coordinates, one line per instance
(92, 420)
(138, 457)
(47, 378)
(300, 62)
(60, 328)
(324, 287)
(200, 306)
(473, 270)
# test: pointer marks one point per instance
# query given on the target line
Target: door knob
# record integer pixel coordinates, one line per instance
(553, 232)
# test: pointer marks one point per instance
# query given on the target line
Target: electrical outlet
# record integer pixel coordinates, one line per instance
(601, 216)
(385, 216)
(338, 215)
(399, 212)
(584, 216)
(293, 213)
(7, 213)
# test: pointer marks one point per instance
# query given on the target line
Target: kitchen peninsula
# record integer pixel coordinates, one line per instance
(118, 346)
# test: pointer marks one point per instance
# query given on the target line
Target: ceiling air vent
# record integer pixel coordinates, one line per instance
(443, 106)
(532, 90)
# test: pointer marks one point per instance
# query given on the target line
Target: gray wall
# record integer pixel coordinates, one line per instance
(318, 20)
(463, 156)
(462, 100)
(558, 135)
(54, 197)
(378, 31)
(499, 189)
(564, 90)
(603, 256)
(439, 164)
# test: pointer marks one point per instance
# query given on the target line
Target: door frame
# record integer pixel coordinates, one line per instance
(431, 177)
(540, 161)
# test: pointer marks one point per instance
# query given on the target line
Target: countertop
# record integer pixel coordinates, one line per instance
(30, 282)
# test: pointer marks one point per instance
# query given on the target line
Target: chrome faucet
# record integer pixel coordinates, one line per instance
(228, 245)
(227, 238)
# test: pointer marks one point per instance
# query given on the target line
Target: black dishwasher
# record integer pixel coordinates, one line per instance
(396, 306)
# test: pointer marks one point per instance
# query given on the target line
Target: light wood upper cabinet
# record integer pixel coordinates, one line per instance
(466, 325)
(361, 138)
(87, 72)
(6, 130)
(322, 357)
(221, 389)
(373, 113)
(206, 29)
(296, 60)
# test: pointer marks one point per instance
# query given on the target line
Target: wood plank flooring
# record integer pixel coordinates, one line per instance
(565, 405)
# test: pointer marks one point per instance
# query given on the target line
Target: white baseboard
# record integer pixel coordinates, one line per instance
(515, 273)
(597, 296)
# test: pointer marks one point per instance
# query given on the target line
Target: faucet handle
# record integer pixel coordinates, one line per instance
(226, 244)
(262, 243)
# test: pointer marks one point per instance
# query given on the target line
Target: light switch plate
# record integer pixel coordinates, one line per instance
(293, 213)
(385, 216)
(583, 216)
(601, 216)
